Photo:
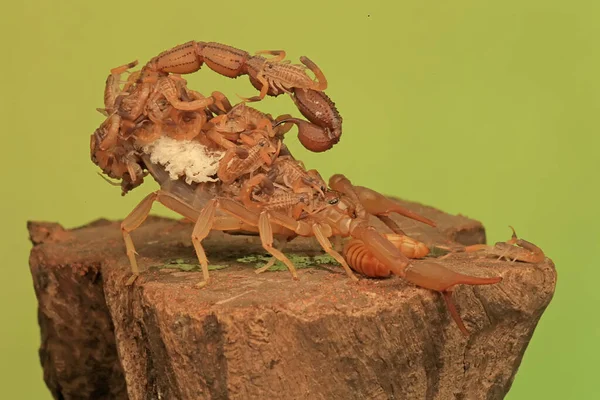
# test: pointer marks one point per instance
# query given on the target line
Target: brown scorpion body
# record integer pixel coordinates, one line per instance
(257, 187)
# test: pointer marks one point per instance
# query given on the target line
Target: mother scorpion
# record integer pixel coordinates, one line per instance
(289, 205)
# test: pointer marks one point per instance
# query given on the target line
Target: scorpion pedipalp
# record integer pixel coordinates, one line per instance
(425, 274)
(434, 276)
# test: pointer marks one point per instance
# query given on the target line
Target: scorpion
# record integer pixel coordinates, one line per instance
(272, 76)
(258, 188)
(227, 129)
(240, 160)
(113, 148)
(291, 173)
(115, 157)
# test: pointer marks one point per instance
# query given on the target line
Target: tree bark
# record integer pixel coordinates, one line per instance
(249, 336)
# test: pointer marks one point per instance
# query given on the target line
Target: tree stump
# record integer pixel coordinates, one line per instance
(266, 336)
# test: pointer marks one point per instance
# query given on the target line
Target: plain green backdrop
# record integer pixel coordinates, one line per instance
(484, 108)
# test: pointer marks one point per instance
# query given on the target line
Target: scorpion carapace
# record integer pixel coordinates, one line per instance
(225, 167)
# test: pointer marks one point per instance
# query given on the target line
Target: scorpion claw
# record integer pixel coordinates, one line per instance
(437, 277)
(311, 136)
(454, 312)
(434, 276)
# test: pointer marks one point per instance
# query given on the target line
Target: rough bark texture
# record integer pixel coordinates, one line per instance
(249, 336)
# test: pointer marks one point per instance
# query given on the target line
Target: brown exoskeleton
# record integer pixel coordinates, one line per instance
(291, 173)
(246, 159)
(167, 115)
(144, 99)
(273, 76)
(116, 157)
(226, 129)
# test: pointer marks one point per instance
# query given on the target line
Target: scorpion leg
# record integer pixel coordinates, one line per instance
(265, 229)
(321, 83)
(202, 228)
(326, 245)
(263, 90)
(220, 139)
(145, 136)
(240, 221)
(205, 222)
(232, 223)
(279, 55)
(194, 105)
(266, 237)
(123, 68)
(221, 102)
(288, 228)
(109, 132)
(338, 244)
(113, 87)
(265, 125)
(137, 216)
(279, 247)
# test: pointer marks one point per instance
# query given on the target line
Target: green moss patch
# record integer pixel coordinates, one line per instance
(299, 261)
(184, 265)
(259, 260)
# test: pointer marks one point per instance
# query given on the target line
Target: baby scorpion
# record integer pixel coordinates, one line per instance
(514, 249)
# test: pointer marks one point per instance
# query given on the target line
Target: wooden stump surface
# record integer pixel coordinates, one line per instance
(249, 336)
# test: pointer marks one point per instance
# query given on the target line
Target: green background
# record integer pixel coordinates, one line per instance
(484, 108)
